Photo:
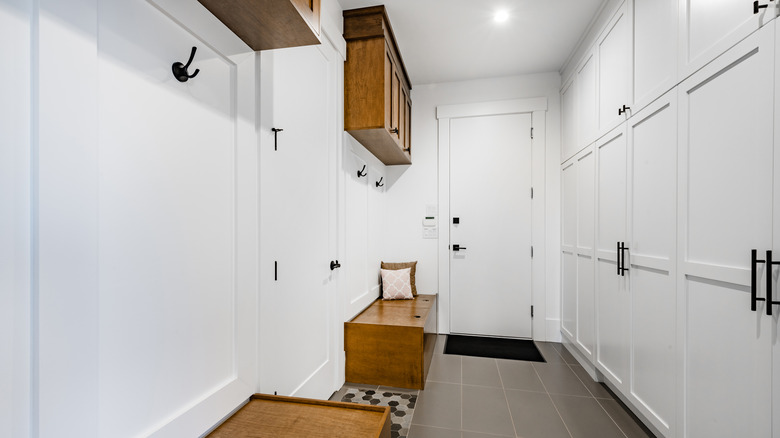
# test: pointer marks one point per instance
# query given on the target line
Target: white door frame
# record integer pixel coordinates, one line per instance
(444, 113)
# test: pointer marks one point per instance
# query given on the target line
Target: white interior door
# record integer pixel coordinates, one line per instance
(490, 195)
(725, 193)
(297, 325)
(611, 292)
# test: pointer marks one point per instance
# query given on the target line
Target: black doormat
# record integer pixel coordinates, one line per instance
(496, 348)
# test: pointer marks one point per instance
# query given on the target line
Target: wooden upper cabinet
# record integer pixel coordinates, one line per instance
(377, 103)
(270, 24)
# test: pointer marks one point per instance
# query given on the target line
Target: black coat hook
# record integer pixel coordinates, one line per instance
(275, 130)
(379, 183)
(180, 70)
(361, 172)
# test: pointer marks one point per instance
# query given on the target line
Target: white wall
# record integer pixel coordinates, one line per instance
(15, 172)
(411, 188)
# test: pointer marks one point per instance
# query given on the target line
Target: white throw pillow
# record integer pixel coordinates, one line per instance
(397, 284)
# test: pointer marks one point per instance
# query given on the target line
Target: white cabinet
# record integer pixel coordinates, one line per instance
(707, 29)
(577, 252)
(613, 52)
(587, 101)
(651, 260)
(569, 118)
(725, 191)
(635, 287)
(776, 246)
(611, 282)
(655, 49)
(569, 249)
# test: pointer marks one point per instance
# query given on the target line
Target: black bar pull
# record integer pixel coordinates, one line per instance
(458, 247)
(617, 258)
(623, 110)
(769, 264)
(623, 263)
(757, 7)
(276, 271)
(753, 295)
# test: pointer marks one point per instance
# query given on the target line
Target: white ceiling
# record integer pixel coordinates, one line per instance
(455, 40)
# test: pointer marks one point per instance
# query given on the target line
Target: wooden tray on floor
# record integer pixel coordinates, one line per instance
(275, 416)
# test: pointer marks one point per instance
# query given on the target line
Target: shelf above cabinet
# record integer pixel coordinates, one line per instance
(270, 24)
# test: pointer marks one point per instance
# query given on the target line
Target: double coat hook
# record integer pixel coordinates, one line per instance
(180, 70)
(361, 173)
(379, 183)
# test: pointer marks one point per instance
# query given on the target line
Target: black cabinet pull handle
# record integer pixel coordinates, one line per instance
(757, 7)
(769, 264)
(394, 130)
(753, 295)
(458, 248)
(623, 110)
(334, 265)
(621, 259)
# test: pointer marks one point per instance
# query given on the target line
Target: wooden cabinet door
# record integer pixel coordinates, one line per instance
(390, 88)
(613, 50)
(725, 210)
(655, 49)
(707, 29)
(408, 125)
(651, 258)
(612, 301)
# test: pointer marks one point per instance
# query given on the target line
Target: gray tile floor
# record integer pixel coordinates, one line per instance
(473, 397)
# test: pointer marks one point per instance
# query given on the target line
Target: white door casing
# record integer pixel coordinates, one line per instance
(490, 289)
(725, 210)
(538, 107)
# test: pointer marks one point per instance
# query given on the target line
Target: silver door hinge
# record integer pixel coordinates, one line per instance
(532, 133)
(532, 311)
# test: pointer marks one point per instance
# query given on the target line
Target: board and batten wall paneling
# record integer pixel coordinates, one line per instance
(411, 188)
(15, 219)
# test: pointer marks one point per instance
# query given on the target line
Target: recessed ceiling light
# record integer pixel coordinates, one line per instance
(501, 16)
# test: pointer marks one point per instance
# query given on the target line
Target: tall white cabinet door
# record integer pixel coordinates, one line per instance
(725, 210)
(613, 50)
(297, 321)
(569, 249)
(587, 102)
(652, 200)
(569, 113)
(776, 248)
(586, 305)
(655, 49)
(611, 292)
(707, 29)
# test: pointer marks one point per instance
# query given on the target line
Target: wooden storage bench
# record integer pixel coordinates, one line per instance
(272, 416)
(391, 343)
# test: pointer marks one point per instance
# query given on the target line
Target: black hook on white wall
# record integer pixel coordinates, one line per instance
(379, 183)
(361, 173)
(180, 70)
